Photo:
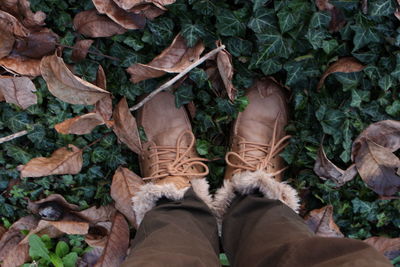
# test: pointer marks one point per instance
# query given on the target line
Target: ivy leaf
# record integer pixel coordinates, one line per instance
(258, 3)
(287, 20)
(329, 46)
(162, 30)
(294, 72)
(229, 25)
(262, 19)
(363, 36)
(381, 7)
(239, 47)
(272, 43)
(316, 36)
(199, 76)
(183, 95)
(320, 20)
(386, 82)
(270, 66)
(192, 33)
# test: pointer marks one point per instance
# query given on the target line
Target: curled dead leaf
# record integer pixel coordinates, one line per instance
(36, 45)
(22, 66)
(149, 11)
(225, 68)
(321, 222)
(80, 50)
(91, 257)
(117, 245)
(128, 4)
(95, 215)
(65, 160)
(98, 235)
(390, 247)
(174, 59)
(21, 10)
(384, 133)
(34, 206)
(6, 42)
(9, 22)
(377, 167)
(128, 20)
(325, 169)
(104, 105)
(80, 125)
(18, 90)
(69, 88)
(124, 185)
(345, 64)
(91, 24)
(125, 126)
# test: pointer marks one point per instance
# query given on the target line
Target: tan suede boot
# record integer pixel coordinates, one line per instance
(168, 161)
(258, 134)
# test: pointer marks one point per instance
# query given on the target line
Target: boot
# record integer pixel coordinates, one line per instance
(257, 138)
(169, 163)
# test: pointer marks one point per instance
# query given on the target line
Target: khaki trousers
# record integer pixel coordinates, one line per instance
(255, 232)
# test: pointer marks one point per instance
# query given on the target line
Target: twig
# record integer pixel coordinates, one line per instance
(177, 77)
(13, 136)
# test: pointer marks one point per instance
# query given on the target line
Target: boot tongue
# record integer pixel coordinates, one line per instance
(179, 181)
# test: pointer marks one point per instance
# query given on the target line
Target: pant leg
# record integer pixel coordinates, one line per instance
(176, 233)
(257, 231)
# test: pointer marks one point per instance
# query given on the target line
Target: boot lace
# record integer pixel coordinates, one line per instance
(175, 161)
(251, 162)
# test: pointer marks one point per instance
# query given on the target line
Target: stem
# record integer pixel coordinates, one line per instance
(13, 136)
(91, 52)
(177, 77)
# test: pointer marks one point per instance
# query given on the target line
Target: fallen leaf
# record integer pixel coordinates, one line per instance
(345, 64)
(95, 215)
(104, 105)
(63, 84)
(10, 240)
(98, 235)
(34, 206)
(22, 66)
(2, 231)
(80, 50)
(9, 22)
(225, 68)
(117, 243)
(320, 221)
(191, 107)
(390, 247)
(18, 90)
(337, 17)
(6, 41)
(174, 59)
(384, 133)
(125, 126)
(128, 4)
(91, 24)
(90, 258)
(65, 160)
(124, 185)
(36, 45)
(128, 20)
(80, 125)
(377, 167)
(17, 256)
(149, 11)
(325, 169)
(21, 10)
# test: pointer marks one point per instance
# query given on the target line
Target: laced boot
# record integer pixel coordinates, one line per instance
(257, 138)
(169, 163)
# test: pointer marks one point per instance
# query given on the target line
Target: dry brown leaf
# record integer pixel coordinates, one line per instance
(125, 126)
(63, 84)
(80, 125)
(130, 21)
(95, 215)
(104, 105)
(17, 256)
(117, 243)
(337, 17)
(35, 206)
(2, 97)
(191, 107)
(21, 10)
(9, 22)
(320, 221)
(225, 68)
(128, 4)
(13, 236)
(385, 133)
(149, 11)
(65, 160)
(2, 231)
(6, 41)
(345, 64)
(325, 169)
(18, 90)
(90, 258)
(36, 45)
(22, 66)
(91, 24)
(174, 59)
(390, 247)
(98, 234)
(377, 167)
(124, 185)
(80, 50)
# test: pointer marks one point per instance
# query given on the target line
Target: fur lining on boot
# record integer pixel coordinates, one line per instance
(150, 193)
(246, 182)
